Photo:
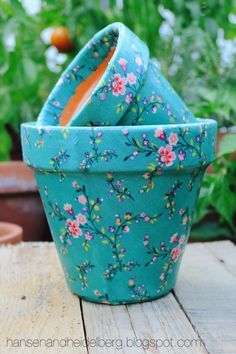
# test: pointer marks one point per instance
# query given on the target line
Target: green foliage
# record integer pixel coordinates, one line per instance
(218, 194)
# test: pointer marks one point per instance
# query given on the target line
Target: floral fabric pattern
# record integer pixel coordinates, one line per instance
(132, 88)
(120, 202)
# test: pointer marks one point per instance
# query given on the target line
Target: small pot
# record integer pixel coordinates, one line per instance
(110, 82)
(10, 233)
(120, 202)
(20, 201)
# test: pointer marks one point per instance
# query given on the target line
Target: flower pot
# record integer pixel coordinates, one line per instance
(10, 233)
(20, 201)
(119, 202)
(113, 77)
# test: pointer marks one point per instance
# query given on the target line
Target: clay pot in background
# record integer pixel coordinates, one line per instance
(20, 202)
(10, 233)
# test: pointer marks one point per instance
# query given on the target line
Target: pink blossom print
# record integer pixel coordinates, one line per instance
(118, 85)
(131, 78)
(123, 63)
(167, 155)
(81, 219)
(173, 139)
(138, 61)
(74, 229)
(175, 253)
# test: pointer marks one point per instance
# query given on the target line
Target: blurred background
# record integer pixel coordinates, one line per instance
(195, 45)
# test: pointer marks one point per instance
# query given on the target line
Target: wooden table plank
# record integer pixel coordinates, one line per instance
(35, 303)
(34, 300)
(153, 327)
(107, 323)
(225, 252)
(163, 320)
(207, 292)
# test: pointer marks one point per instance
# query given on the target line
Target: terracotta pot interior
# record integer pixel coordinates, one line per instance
(10, 233)
(84, 91)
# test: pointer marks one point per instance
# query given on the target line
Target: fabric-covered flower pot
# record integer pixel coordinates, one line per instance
(111, 81)
(120, 202)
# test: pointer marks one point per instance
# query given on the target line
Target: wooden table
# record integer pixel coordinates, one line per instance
(199, 316)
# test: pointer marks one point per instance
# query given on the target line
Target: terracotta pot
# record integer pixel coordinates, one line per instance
(120, 202)
(112, 81)
(20, 202)
(10, 233)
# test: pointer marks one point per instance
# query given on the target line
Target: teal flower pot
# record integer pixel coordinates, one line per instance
(120, 202)
(113, 77)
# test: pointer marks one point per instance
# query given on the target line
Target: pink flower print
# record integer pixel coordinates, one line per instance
(96, 292)
(167, 155)
(128, 98)
(82, 199)
(184, 220)
(138, 61)
(174, 238)
(181, 155)
(154, 109)
(69, 209)
(131, 78)
(131, 282)
(173, 139)
(81, 219)
(135, 153)
(88, 236)
(99, 134)
(175, 253)
(160, 134)
(181, 211)
(162, 276)
(75, 184)
(146, 243)
(73, 227)
(123, 63)
(102, 96)
(56, 103)
(125, 229)
(181, 240)
(125, 132)
(118, 85)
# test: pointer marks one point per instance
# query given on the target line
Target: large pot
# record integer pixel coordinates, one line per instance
(111, 81)
(20, 201)
(119, 202)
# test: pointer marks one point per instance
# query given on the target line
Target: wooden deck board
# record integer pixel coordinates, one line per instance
(207, 292)
(34, 300)
(36, 304)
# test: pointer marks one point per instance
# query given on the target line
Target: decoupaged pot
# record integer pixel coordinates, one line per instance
(119, 202)
(111, 81)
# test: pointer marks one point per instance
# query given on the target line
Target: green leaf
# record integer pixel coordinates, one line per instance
(224, 201)
(227, 144)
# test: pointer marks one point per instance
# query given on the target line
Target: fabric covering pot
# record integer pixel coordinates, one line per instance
(119, 201)
(111, 81)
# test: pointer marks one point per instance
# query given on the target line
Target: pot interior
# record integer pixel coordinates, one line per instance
(99, 62)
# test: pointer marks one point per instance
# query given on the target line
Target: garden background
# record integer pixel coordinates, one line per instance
(194, 43)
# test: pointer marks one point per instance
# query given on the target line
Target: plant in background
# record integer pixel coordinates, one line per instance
(216, 211)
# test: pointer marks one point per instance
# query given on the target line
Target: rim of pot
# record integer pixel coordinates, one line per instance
(172, 147)
(126, 45)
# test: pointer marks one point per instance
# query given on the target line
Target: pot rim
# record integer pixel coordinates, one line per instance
(126, 39)
(121, 148)
(13, 233)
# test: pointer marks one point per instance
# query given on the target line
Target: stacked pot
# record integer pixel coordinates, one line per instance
(119, 161)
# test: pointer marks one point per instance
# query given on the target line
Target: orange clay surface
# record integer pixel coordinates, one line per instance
(84, 91)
